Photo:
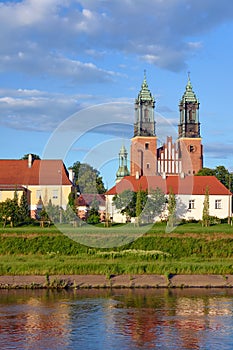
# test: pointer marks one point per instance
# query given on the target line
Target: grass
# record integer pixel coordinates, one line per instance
(189, 249)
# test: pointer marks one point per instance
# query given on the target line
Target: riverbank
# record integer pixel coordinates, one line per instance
(115, 281)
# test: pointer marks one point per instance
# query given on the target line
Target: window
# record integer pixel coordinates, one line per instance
(146, 145)
(148, 165)
(55, 194)
(218, 204)
(191, 204)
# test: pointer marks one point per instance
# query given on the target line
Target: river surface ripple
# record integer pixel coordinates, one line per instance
(117, 319)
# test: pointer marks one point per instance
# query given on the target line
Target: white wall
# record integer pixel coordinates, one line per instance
(182, 202)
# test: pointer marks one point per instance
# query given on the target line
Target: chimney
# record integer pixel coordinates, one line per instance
(164, 176)
(30, 160)
(71, 175)
(182, 175)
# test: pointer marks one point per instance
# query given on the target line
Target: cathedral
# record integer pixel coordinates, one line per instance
(182, 157)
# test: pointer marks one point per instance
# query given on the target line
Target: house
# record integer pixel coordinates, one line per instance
(84, 203)
(41, 180)
(189, 192)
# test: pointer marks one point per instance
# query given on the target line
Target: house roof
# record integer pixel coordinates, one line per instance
(86, 199)
(195, 185)
(42, 172)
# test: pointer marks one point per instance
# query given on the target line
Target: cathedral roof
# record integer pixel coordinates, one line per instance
(189, 95)
(145, 94)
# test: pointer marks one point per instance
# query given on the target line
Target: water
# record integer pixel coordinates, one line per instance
(118, 319)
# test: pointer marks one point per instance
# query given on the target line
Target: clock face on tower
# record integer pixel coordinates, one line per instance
(192, 148)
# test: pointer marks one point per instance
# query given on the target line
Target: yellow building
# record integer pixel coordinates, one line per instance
(41, 180)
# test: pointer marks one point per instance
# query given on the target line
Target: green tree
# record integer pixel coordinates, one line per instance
(23, 208)
(171, 207)
(126, 201)
(71, 200)
(88, 179)
(93, 216)
(155, 204)
(9, 211)
(34, 156)
(206, 172)
(223, 176)
(205, 212)
(54, 212)
(69, 214)
(221, 173)
(141, 199)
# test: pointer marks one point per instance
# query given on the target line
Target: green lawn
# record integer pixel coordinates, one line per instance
(190, 248)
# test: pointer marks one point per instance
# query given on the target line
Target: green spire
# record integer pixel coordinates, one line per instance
(189, 95)
(123, 169)
(145, 94)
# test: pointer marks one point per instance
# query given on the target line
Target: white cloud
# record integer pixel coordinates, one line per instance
(164, 33)
(36, 110)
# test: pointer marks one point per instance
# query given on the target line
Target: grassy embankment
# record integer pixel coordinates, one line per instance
(189, 249)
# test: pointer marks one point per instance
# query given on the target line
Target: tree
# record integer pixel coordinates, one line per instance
(171, 207)
(126, 201)
(88, 179)
(206, 172)
(23, 208)
(34, 156)
(69, 215)
(9, 211)
(221, 173)
(54, 212)
(205, 213)
(141, 199)
(140, 204)
(155, 204)
(93, 216)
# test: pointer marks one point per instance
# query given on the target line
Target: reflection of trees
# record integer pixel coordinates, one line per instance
(145, 319)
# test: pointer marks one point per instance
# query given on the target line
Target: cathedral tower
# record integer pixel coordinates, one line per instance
(189, 138)
(144, 143)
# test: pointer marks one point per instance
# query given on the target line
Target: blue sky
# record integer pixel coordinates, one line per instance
(70, 71)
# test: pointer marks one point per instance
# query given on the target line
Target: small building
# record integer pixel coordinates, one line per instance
(189, 192)
(87, 200)
(41, 180)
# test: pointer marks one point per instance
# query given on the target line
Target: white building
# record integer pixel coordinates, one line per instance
(189, 192)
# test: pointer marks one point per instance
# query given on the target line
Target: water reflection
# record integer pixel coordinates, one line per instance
(117, 319)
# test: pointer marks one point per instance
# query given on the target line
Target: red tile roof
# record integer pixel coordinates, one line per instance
(42, 172)
(86, 199)
(188, 185)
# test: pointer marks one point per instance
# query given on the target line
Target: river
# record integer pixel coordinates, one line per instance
(116, 319)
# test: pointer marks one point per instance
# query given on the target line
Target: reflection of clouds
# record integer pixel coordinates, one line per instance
(45, 319)
(214, 306)
(220, 307)
(187, 306)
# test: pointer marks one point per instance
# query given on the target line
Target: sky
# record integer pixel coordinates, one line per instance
(70, 71)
